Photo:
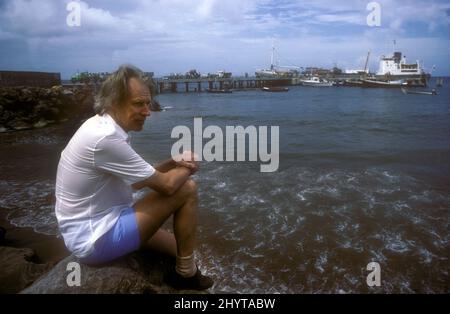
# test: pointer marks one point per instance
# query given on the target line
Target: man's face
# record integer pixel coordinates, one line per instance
(133, 113)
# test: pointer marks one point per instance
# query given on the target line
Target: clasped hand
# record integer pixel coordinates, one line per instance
(188, 160)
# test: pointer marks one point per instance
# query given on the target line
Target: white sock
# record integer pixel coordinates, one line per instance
(185, 266)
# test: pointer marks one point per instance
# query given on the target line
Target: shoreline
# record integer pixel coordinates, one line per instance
(32, 155)
(48, 249)
(28, 156)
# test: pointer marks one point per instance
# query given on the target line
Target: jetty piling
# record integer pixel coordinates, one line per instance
(237, 83)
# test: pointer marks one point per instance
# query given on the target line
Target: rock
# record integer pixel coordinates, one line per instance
(17, 269)
(18, 124)
(56, 89)
(40, 124)
(26, 107)
(54, 112)
(2, 233)
(140, 272)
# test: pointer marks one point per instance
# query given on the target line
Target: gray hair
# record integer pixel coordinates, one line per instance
(114, 90)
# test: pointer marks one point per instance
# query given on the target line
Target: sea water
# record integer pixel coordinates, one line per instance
(364, 176)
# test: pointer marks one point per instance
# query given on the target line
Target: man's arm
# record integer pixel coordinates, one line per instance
(188, 159)
(166, 165)
(165, 182)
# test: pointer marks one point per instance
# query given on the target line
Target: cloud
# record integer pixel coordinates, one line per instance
(341, 18)
(175, 35)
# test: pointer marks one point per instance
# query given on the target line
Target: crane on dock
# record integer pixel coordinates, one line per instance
(367, 63)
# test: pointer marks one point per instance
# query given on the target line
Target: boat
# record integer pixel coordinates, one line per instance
(219, 91)
(275, 70)
(353, 83)
(316, 81)
(383, 84)
(274, 89)
(432, 92)
(397, 67)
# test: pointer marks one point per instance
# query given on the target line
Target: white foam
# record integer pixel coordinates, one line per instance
(321, 261)
(220, 185)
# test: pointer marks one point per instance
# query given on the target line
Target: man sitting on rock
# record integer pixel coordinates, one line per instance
(96, 174)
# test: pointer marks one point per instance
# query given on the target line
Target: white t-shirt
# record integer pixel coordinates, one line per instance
(93, 182)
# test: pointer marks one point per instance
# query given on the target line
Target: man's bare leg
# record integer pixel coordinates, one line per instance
(162, 241)
(154, 209)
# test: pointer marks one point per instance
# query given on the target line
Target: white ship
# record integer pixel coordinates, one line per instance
(276, 71)
(397, 67)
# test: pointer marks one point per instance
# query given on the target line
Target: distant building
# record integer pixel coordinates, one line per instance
(35, 79)
(316, 71)
(224, 74)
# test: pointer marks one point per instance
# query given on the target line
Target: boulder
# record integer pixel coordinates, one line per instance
(18, 270)
(29, 107)
(137, 273)
(40, 124)
(19, 124)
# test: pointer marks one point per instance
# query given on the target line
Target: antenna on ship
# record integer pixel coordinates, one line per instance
(393, 46)
(273, 53)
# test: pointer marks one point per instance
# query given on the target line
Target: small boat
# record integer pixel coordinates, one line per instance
(275, 89)
(316, 82)
(432, 92)
(219, 91)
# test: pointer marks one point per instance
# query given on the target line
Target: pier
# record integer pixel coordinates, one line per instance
(203, 84)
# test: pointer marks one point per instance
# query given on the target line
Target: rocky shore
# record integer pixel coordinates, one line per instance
(138, 273)
(33, 107)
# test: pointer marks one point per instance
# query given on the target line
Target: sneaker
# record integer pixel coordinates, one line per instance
(196, 282)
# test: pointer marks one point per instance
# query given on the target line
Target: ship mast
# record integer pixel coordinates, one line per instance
(272, 56)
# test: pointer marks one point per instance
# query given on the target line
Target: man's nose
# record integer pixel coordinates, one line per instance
(147, 111)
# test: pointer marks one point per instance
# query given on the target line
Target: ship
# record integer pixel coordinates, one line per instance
(393, 71)
(397, 68)
(276, 71)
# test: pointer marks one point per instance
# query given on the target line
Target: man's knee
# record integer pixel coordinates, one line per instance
(189, 188)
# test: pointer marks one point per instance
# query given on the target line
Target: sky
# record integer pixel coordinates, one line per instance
(174, 36)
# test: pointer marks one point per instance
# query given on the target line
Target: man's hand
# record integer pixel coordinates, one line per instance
(171, 174)
(189, 160)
